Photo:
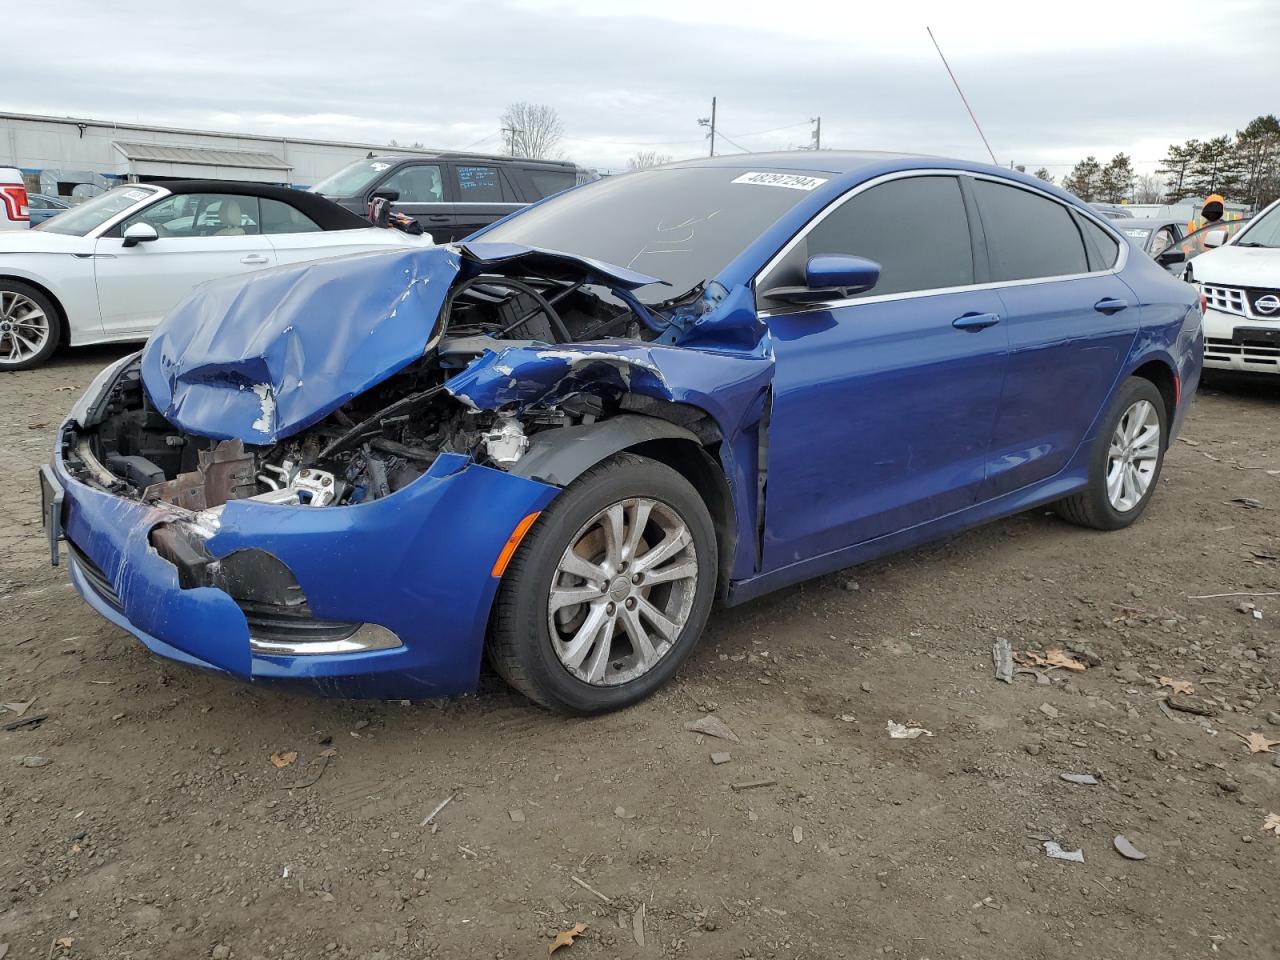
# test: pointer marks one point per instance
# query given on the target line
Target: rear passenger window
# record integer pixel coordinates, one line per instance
(479, 184)
(1107, 249)
(915, 228)
(549, 182)
(1028, 235)
(279, 217)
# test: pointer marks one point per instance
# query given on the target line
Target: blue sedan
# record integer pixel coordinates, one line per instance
(562, 440)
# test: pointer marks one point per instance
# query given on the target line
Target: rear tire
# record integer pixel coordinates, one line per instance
(627, 554)
(1124, 467)
(30, 326)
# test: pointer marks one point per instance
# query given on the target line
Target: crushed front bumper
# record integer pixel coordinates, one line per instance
(416, 563)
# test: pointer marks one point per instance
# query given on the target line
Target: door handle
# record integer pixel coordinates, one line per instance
(253, 258)
(1110, 305)
(438, 218)
(973, 322)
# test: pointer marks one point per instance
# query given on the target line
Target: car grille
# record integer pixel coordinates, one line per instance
(1242, 301)
(95, 577)
(1226, 350)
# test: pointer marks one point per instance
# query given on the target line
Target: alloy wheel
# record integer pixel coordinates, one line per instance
(1133, 456)
(24, 328)
(622, 592)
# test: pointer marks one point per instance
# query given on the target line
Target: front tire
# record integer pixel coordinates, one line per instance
(609, 591)
(30, 326)
(1125, 464)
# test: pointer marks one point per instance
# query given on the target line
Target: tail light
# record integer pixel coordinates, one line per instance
(14, 198)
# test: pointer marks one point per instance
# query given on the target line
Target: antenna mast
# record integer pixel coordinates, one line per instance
(977, 125)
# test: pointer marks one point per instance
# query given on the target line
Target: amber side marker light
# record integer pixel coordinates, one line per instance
(513, 542)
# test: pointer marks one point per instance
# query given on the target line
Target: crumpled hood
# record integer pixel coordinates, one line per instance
(262, 357)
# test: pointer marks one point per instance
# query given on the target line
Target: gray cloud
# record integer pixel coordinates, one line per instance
(443, 73)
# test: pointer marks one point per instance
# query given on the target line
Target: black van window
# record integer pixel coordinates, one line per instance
(915, 228)
(549, 182)
(478, 184)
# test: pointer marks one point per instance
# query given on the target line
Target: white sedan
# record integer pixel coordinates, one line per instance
(110, 268)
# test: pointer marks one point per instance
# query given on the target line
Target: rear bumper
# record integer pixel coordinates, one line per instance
(1237, 343)
(417, 563)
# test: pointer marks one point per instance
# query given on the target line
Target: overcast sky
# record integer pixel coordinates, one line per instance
(1049, 82)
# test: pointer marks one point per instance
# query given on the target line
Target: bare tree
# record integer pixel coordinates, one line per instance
(531, 130)
(1148, 188)
(645, 159)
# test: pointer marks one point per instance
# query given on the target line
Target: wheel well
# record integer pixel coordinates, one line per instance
(700, 468)
(64, 335)
(1158, 372)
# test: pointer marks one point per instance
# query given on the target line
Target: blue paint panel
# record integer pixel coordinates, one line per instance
(417, 562)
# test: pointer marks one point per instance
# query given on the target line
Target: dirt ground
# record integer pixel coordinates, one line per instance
(159, 826)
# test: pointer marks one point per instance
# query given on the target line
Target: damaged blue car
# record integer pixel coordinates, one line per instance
(564, 439)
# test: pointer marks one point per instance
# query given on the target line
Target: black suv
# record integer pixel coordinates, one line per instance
(451, 194)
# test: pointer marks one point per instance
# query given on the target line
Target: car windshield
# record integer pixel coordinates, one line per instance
(353, 179)
(683, 225)
(1264, 231)
(78, 221)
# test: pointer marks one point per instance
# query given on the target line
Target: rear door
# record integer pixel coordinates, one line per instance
(423, 195)
(883, 403)
(484, 195)
(201, 236)
(1071, 321)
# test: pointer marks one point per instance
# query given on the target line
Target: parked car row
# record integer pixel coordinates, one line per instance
(561, 440)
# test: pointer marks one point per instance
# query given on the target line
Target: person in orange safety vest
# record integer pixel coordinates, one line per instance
(1210, 213)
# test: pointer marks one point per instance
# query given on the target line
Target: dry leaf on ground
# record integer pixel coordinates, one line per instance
(1272, 824)
(565, 938)
(1178, 686)
(1030, 659)
(1257, 743)
(282, 760)
(64, 942)
(1057, 658)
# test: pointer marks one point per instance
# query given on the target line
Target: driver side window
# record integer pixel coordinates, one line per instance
(201, 215)
(418, 183)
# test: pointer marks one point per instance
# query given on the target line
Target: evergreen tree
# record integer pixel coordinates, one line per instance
(1043, 174)
(1085, 179)
(1115, 184)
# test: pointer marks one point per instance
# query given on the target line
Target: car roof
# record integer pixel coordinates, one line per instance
(460, 155)
(823, 161)
(326, 214)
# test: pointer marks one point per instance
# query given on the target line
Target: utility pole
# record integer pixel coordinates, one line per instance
(710, 122)
(817, 132)
(511, 139)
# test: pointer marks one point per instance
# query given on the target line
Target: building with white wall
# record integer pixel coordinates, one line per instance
(77, 157)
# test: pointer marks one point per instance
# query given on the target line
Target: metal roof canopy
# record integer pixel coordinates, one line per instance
(199, 156)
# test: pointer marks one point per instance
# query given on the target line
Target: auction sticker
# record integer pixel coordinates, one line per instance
(792, 181)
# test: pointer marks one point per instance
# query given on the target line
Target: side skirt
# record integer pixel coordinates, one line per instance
(1054, 488)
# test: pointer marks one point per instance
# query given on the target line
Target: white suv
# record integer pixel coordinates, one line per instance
(1240, 288)
(14, 214)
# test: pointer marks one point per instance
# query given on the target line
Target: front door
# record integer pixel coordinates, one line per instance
(420, 189)
(200, 237)
(883, 404)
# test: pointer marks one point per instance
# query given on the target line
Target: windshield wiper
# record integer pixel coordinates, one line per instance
(1253, 243)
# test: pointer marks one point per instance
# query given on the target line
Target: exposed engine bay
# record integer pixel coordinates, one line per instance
(388, 436)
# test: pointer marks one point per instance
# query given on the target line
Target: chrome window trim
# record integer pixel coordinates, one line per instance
(1122, 257)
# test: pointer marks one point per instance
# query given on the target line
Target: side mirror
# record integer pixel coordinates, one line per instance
(830, 276)
(388, 194)
(137, 233)
(1215, 238)
(1170, 257)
